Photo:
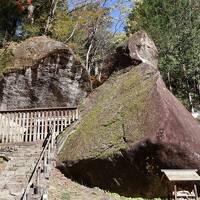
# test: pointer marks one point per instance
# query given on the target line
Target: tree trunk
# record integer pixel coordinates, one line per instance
(88, 57)
(169, 81)
(72, 34)
(188, 89)
(51, 15)
(90, 47)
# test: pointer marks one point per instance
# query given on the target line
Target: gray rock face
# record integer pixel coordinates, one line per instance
(139, 48)
(49, 75)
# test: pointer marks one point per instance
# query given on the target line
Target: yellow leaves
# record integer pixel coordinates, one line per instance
(89, 16)
(62, 26)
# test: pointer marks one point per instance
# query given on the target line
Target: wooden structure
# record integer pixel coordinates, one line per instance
(29, 125)
(35, 188)
(182, 183)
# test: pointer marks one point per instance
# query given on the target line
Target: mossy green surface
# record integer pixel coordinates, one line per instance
(119, 116)
(27, 53)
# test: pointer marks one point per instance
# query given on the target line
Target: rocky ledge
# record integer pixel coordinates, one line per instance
(41, 72)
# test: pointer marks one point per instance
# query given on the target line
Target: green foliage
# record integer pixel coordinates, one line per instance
(5, 57)
(86, 29)
(62, 26)
(65, 196)
(175, 28)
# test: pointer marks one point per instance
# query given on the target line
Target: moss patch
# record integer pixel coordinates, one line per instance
(118, 117)
(28, 53)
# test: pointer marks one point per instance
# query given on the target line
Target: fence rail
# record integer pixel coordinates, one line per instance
(42, 169)
(29, 125)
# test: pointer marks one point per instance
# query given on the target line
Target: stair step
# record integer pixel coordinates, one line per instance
(14, 178)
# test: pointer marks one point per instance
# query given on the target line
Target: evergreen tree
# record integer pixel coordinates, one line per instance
(175, 28)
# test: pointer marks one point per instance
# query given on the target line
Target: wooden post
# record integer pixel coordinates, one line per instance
(59, 122)
(69, 117)
(37, 186)
(27, 127)
(54, 122)
(46, 113)
(49, 152)
(73, 115)
(38, 124)
(42, 125)
(56, 115)
(77, 114)
(175, 192)
(195, 192)
(14, 127)
(61, 130)
(17, 127)
(2, 128)
(31, 127)
(65, 118)
(6, 126)
(23, 126)
(28, 196)
(52, 139)
(50, 120)
(9, 131)
(20, 128)
(45, 163)
(35, 126)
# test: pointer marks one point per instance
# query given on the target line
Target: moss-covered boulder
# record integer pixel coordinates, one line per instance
(133, 127)
(41, 72)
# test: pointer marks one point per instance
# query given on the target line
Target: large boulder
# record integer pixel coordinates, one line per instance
(133, 127)
(139, 48)
(41, 72)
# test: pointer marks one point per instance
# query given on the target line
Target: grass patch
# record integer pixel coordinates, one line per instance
(65, 196)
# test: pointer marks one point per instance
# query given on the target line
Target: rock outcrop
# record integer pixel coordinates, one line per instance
(133, 127)
(41, 72)
(139, 48)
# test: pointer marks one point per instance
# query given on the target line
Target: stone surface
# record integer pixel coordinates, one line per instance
(139, 48)
(18, 170)
(41, 72)
(133, 127)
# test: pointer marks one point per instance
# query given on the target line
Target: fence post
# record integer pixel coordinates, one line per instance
(45, 163)
(77, 114)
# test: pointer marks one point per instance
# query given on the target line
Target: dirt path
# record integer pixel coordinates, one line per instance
(62, 188)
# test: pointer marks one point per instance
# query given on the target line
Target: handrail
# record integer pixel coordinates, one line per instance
(38, 109)
(48, 140)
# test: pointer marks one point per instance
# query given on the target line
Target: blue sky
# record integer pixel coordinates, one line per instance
(119, 20)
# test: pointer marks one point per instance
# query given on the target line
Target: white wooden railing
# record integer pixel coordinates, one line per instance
(29, 125)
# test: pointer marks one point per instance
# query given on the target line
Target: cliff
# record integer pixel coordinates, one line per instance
(41, 72)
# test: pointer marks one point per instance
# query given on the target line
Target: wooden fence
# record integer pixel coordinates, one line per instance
(28, 125)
